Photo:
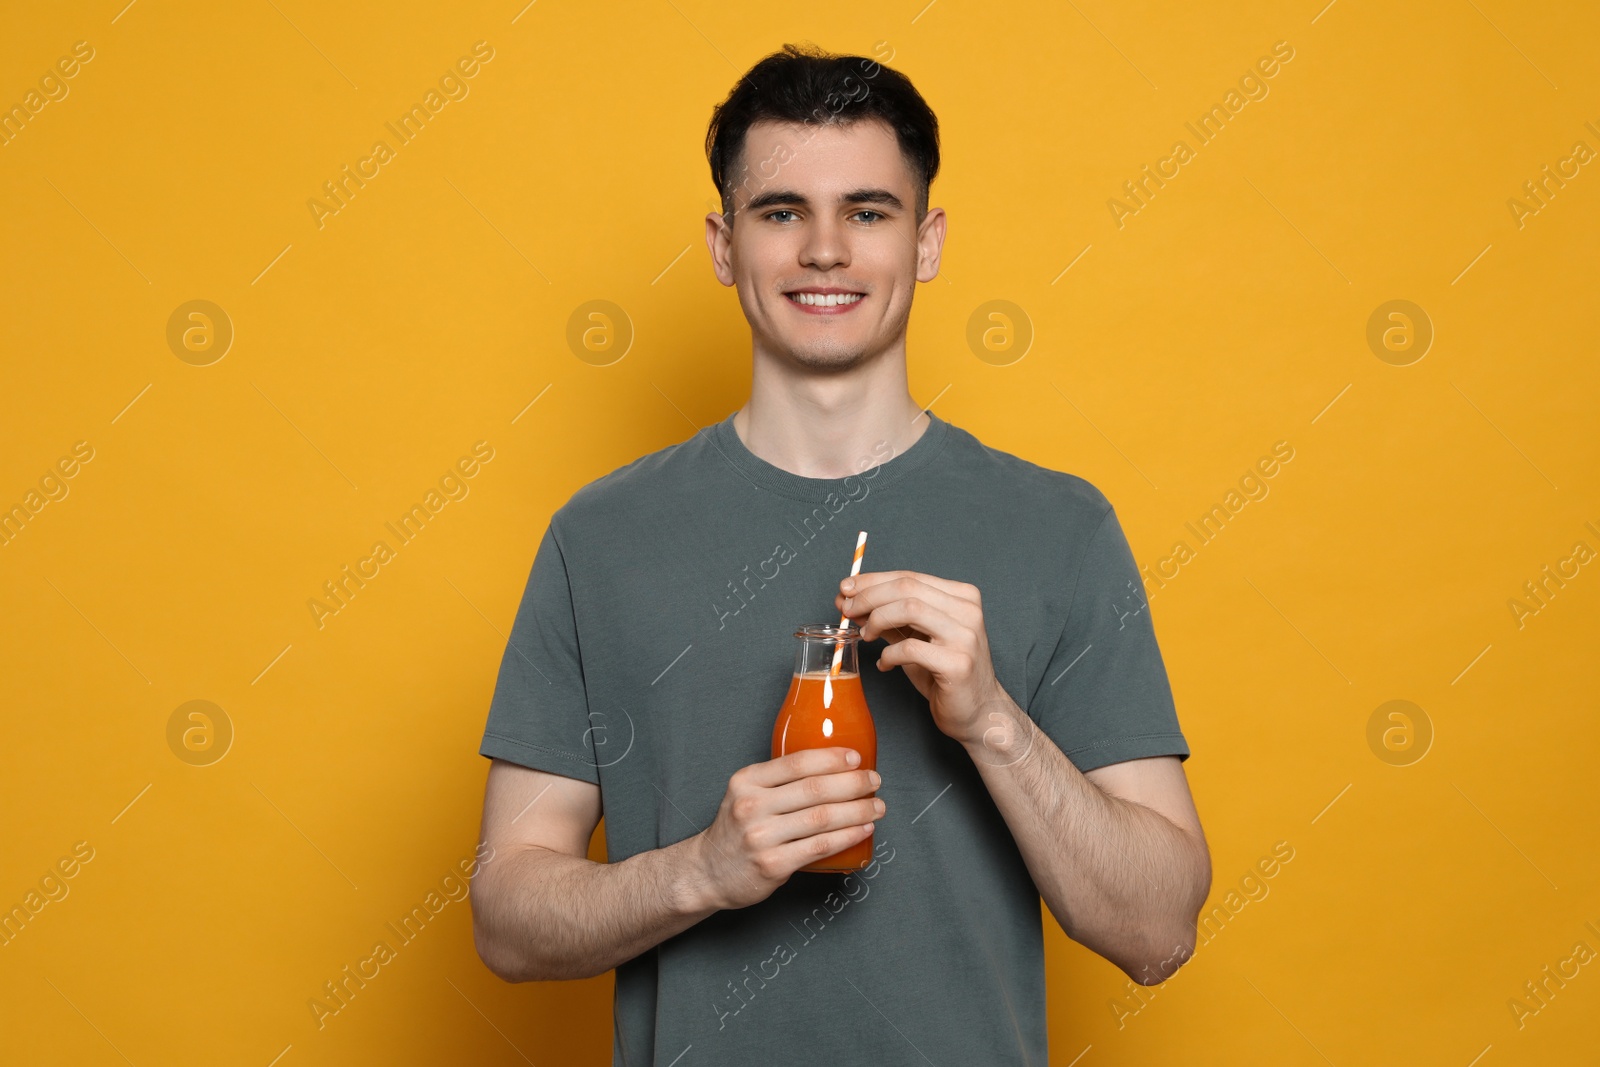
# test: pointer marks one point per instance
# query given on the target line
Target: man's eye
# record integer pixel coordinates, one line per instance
(864, 212)
(780, 211)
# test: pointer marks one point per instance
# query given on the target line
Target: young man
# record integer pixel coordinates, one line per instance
(1027, 739)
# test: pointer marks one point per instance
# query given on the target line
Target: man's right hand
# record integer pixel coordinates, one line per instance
(780, 815)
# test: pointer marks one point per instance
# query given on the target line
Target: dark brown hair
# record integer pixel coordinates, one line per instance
(805, 84)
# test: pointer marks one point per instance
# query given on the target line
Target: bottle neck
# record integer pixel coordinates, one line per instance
(815, 652)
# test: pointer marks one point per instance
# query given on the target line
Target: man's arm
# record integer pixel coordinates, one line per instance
(542, 910)
(1117, 853)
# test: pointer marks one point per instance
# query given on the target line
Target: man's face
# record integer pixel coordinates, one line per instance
(825, 208)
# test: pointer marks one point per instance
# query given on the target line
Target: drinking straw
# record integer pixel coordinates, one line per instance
(844, 620)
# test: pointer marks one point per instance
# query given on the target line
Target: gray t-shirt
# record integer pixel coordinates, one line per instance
(651, 652)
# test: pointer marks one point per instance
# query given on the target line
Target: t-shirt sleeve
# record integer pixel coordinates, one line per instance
(539, 714)
(1104, 696)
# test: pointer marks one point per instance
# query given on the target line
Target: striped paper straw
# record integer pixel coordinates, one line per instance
(844, 620)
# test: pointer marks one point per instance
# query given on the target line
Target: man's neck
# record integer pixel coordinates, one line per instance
(829, 426)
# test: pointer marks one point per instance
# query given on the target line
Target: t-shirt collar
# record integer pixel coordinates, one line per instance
(725, 439)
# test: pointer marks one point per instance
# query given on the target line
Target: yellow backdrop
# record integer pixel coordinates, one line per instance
(1307, 291)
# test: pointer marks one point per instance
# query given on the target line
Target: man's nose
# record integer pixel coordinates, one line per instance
(826, 245)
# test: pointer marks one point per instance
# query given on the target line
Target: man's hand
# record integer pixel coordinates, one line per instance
(936, 634)
(780, 815)
(1087, 849)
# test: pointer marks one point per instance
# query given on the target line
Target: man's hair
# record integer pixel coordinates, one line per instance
(805, 84)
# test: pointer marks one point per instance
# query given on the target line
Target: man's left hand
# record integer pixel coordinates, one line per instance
(936, 635)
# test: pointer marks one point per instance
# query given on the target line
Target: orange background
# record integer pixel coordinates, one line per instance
(1167, 354)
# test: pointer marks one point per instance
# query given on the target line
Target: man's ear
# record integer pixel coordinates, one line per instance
(930, 244)
(719, 240)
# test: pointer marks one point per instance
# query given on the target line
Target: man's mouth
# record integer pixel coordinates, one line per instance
(808, 298)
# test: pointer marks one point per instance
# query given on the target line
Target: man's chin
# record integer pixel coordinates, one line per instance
(825, 357)
(828, 360)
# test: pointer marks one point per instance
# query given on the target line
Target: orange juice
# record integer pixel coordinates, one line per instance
(821, 712)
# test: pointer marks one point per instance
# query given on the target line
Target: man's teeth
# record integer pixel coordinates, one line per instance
(831, 300)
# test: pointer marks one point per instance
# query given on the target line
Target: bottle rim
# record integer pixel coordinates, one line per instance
(829, 632)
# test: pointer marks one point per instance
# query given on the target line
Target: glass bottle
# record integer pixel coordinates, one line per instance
(824, 709)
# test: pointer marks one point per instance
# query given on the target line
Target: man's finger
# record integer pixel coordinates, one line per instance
(937, 660)
(963, 590)
(914, 612)
(803, 763)
(865, 602)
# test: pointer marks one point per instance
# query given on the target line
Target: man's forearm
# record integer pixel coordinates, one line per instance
(541, 915)
(1120, 878)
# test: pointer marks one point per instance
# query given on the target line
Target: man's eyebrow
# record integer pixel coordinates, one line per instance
(779, 197)
(871, 196)
(775, 197)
